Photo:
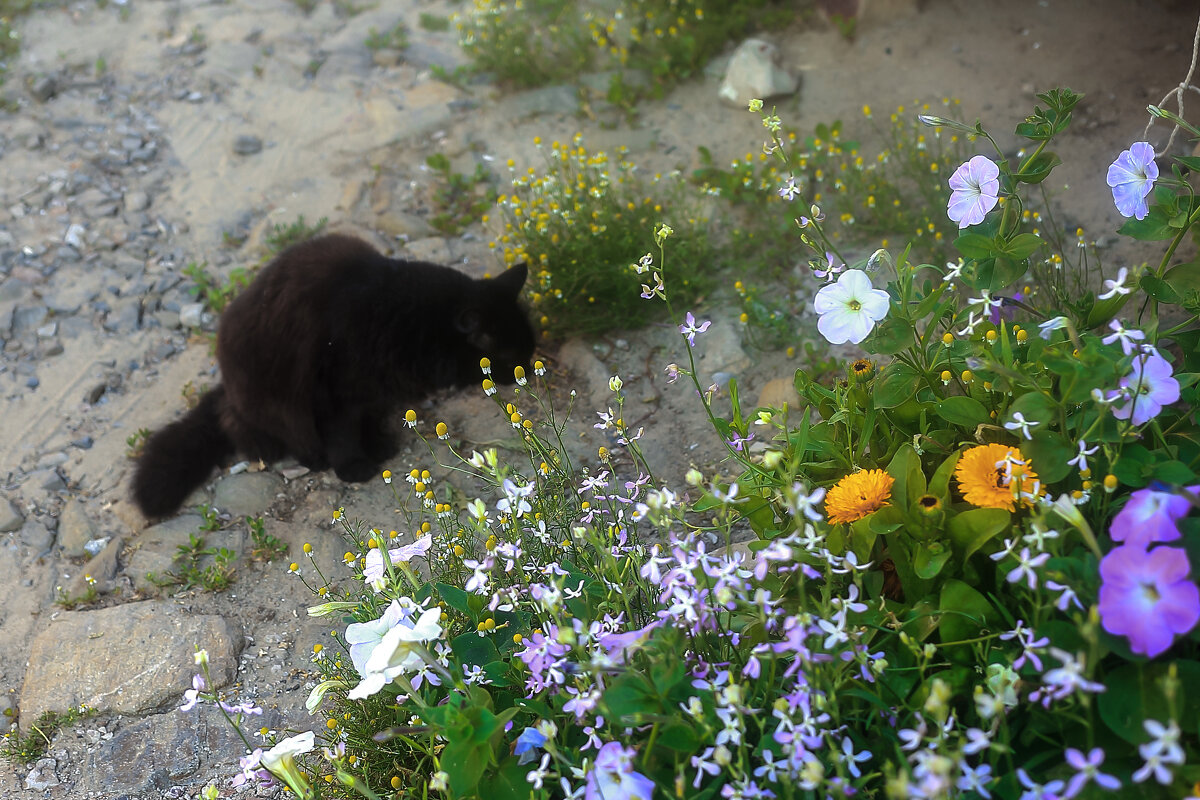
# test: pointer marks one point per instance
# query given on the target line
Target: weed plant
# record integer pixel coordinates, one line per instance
(581, 222)
(460, 199)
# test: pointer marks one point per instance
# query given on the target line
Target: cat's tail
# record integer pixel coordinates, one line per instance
(178, 458)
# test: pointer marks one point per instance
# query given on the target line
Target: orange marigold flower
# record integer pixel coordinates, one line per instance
(994, 476)
(855, 496)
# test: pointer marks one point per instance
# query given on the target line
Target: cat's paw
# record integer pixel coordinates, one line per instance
(357, 471)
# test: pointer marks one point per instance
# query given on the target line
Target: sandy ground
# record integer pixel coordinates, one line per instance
(182, 80)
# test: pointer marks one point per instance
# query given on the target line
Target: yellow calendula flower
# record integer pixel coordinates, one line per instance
(994, 475)
(855, 496)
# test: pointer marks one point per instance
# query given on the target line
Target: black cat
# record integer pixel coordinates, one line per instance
(329, 339)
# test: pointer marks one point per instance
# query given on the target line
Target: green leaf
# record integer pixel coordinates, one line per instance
(962, 410)
(1038, 169)
(508, 782)
(1022, 246)
(965, 612)
(455, 597)
(929, 558)
(905, 469)
(680, 737)
(1155, 227)
(473, 649)
(973, 245)
(897, 382)
(891, 336)
(939, 485)
(1048, 456)
(1136, 692)
(974, 528)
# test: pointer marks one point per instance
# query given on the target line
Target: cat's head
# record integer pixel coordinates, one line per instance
(495, 324)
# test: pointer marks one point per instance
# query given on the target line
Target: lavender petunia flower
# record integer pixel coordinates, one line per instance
(1150, 386)
(612, 776)
(1132, 177)
(1150, 517)
(1147, 596)
(975, 188)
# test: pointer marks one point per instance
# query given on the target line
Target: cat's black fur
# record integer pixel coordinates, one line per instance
(315, 354)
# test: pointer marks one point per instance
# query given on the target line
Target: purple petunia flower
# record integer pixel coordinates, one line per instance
(1150, 517)
(1147, 597)
(1150, 386)
(1132, 177)
(975, 187)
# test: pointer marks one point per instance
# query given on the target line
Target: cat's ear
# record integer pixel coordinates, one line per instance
(508, 283)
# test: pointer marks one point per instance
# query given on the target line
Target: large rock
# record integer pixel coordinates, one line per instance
(754, 72)
(126, 659)
(74, 529)
(11, 518)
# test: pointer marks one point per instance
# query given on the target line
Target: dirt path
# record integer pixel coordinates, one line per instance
(151, 135)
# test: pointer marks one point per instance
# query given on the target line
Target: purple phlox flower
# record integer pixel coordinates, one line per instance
(1026, 638)
(1020, 423)
(1150, 516)
(790, 189)
(1067, 598)
(192, 696)
(1026, 566)
(852, 759)
(1147, 596)
(536, 777)
(252, 769)
(975, 189)
(543, 656)
(830, 270)
(1151, 387)
(1126, 336)
(1038, 791)
(1062, 682)
(612, 776)
(478, 582)
(978, 740)
(707, 763)
(738, 441)
(1113, 288)
(1087, 769)
(745, 789)
(244, 707)
(804, 502)
(975, 779)
(1045, 329)
(619, 645)
(581, 703)
(690, 328)
(1132, 177)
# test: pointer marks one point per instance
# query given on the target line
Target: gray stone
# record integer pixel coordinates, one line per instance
(247, 144)
(36, 536)
(47, 480)
(191, 315)
(246, 493)
(47, 331)
(720, 350)
(399, 225)
(101, 568)
(75, 530)
(434, 249)
(74, 236)
(28, 319)
(154, 550)
(42, 776)
(11, 518)
(126, 659)
(548, 100)
(136, 201)
(754, 73)
(43, 88)
(150, 756)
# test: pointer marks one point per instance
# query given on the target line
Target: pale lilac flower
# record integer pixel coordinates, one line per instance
(953, 271)
(1132, 178)
(738, 442)
(1080, 460)
(1151, 386)
(1038, 791)
(537, 776)
(1088, 770)
(1067, 598)
(975, 779)
(790, 189)
(1026, 566)
(514, 501)
(1147, 596)
(1112, 288)
(849, 308)
(830, 270)
(192, 696)
(374, 570)
(804, 503)
(1025, 638)
(1045, 329)
(975, 187)
(1150, 516)
(852, 759)
(1126, 336)
(1164, 741)
(690, 329)
(1064, 681)
(1020, 423)
(612, 776)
